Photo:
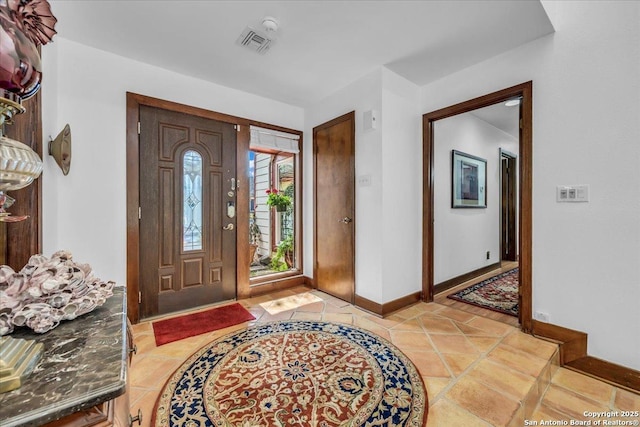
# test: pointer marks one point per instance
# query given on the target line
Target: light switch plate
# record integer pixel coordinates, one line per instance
(572, 193)
(364, 180)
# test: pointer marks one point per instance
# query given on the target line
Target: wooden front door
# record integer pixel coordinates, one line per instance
(187, 211)
(334, 207)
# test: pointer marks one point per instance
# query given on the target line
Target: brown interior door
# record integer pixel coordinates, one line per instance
(334, 207)
(508, 216)
(187, 211)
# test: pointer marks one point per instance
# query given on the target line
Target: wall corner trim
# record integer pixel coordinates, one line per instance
(387, 308)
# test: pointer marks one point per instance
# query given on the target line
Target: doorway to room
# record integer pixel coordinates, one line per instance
(523, 242)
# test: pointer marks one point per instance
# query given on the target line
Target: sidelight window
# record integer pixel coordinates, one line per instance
(192, 201)
(273, 162)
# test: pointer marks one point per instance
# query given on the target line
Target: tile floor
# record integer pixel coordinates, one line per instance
(478, 372)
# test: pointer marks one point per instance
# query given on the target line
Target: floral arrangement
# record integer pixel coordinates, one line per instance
(277, 199)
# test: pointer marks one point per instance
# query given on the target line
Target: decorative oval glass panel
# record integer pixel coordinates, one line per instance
(191, 201)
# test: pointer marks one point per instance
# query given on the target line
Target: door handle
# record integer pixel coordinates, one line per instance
(233, 184)
(228, 226)
(346, 220)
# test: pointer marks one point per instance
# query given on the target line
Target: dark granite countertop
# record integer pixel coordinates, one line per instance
(84, 364)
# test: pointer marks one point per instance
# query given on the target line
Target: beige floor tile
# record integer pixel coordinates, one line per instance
(544, 413)
(387, 323)
(409, 325)
(627, 401)
(152, 371)
(518, 360)
(438, 325)
(453, 344)
(144, 343)
(428, 364)
(452, 313)
(435, 386)
(484, 344)
(570, 403)
(338, 317)
(285, 315)
(410, 340)
(584, 385)
(473, 331)
(146, 405)
(302, 315)
(413, 311)
(316, 307)
(458, 363)
(141, 328)
(484, 402)
(506, 380)
(447, 414)
(530, 344)
(491, 326)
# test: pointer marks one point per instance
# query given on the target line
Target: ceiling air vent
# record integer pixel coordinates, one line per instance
(254, 40)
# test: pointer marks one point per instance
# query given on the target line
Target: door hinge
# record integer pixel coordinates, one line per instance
(138, 128)
(139, 212)
(237, 127)
(139, 297)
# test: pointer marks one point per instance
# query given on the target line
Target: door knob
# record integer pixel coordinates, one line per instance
(346, 220)
(228, 227)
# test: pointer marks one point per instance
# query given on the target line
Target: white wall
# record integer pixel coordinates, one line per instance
(363, 95)
(388, 212)
(586, 100)
(401, 126)
(85, 212)
(462, 237)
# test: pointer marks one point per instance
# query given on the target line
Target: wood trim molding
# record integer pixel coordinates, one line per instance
(617, 375)
(308, 281)
(573, 344)
(448, 284)
(134, 101)
(573, 355)
(276, 285)
(525, 91)
(387, 308)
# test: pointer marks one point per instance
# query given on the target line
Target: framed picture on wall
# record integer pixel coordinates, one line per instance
(468, 181)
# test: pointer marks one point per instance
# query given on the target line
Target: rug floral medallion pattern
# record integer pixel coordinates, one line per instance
(498, 293)
(295, 373)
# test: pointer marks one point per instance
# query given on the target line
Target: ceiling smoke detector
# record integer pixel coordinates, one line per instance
(270, 24)
(254, 40)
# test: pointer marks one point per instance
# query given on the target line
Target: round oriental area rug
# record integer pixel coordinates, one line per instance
(295, 373)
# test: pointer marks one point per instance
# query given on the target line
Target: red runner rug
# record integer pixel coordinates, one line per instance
(190, 325)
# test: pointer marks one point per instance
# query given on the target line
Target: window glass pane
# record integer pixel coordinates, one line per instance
(271, 226)
(192, 201)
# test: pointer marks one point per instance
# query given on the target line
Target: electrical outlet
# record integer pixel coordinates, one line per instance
(488, 254)
(541, 316)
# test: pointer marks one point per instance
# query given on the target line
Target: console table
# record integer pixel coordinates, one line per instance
(81, 379)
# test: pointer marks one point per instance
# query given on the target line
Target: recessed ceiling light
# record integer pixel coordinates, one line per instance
(512, 102)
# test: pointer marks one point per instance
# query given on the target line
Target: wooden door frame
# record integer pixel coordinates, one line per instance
(134, 101)
(511, 159)
(525, 187)
(348, 116)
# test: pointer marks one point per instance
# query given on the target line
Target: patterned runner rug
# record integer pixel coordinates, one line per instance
(498, 293)
(300, 373)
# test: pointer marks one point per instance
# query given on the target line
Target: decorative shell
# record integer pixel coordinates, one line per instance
(47, 291)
